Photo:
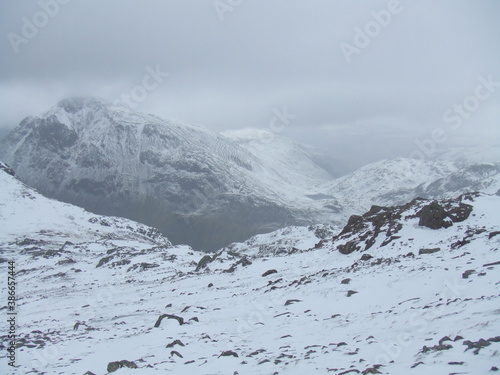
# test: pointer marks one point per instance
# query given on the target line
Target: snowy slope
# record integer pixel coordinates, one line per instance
(284, 159)
(484, 177)
(329, 307)
(188, 181)
(395, 181)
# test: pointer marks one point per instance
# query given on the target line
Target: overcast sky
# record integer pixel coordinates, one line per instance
(362, 78)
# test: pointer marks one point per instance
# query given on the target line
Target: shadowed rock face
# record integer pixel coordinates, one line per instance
(194, 185)
(435, 216)
(362, 232)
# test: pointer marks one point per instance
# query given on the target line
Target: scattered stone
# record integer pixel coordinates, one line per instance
(351, 292)
(372, 370)
(169, 316)
(210, 285)
(290, 301)
(467, 273)
(203, 262)
(113, 366)
(228, 353)
(429, 251)
(439, 347)
(493, 234)
(175, 342)
(366, 257)
(348, 247)
(445, 338)
(491, 264)
(174, 352)
(269, 272)
(478, 345)
(349, 371)
(346, 281)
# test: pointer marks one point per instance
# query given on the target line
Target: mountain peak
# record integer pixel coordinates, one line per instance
(77, 103)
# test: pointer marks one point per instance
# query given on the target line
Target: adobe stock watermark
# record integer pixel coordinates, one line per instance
(138, 94)
(456, 116)
(281, 119)
(31, 26)
(372, 29)
(419, 323)
(52, 352)
(223, 6)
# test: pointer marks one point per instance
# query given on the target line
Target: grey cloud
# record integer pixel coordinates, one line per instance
(264, 55)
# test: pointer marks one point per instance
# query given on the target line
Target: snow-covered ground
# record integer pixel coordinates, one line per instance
(91, 290)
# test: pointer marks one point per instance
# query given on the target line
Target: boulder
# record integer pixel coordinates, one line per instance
(434, 216)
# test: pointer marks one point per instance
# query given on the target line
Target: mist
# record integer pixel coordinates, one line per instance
(360, 81)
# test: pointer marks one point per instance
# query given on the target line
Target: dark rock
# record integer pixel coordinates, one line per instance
(456, 363)
(366, 257)
(228, 353)
(346, 281)
(174, 352)
(210, 285)
(348, 248)
(175, 342)
(460, 213)
(169, 316)
(244, 261)
(434, 216)
(467, 273)
(445, 338)
(372, 370)
(494, 368)
(429, 251)
(290, 301)
(439, 347)
(203, 262)
(354, 225)
(113, 366)
(269, 272)
(351, 292)
(416, 364)
(349, 372)
(491, 264)
(195, 319)
(478, 345)
(493, 234)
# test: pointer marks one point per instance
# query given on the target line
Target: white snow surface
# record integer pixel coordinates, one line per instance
(91, 288)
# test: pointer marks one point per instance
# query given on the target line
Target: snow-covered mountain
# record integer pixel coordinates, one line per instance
(403, 290)
(193, 184)
(395, 181)
(283, 158)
